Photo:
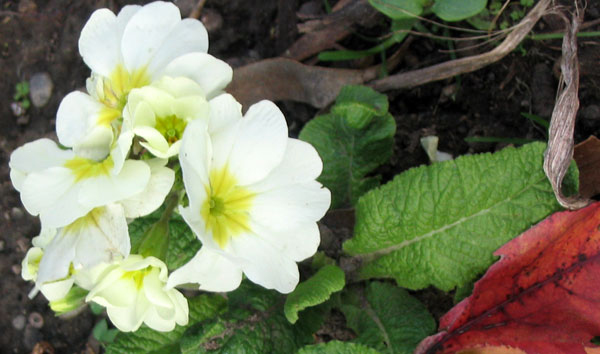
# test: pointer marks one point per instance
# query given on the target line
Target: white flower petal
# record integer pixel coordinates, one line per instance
(288, 207)
(260, 143)
(301, 163)
(153, 290)
(53, 195)
(30, 264)
(265, 265)
(212, 74)
(224, 112)
(155, 319)
(187, 36)
(132, 179)
(99, 42)
(155, 142)
(127, 319)
(194, 156)
(146, 31)
(210, 269)
(113, 291)
(56, 290)
(298, 244)
(57, 258)
(152, 197)
(35, 156)
(76, 119)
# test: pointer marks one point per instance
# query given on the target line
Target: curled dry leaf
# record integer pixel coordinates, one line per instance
(587, 156)
(541, 297)
(285, 79)
(559, 153)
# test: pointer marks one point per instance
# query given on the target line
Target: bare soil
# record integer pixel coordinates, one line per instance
(41, 36)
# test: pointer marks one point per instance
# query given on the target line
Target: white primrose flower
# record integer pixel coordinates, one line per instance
(31, 264)
(131, 50)
(159, 113)
(253, 198)
(61, 187)
(100, 236)
(133, 292)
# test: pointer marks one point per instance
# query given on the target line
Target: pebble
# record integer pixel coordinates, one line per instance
(40, 89)
(16, 213)
(36, 320)
(16, 268)
(18, 322)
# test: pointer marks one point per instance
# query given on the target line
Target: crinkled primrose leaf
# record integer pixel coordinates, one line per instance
(314, 291)
(353, 140)
(146, 340)
(335, 347)
(253, 324)
(439, 225)
(387, 319)
(183, 244)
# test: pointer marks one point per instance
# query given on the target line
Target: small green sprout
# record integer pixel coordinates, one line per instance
(22, 94)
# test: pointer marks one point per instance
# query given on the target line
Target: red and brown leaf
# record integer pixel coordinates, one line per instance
(542, 296)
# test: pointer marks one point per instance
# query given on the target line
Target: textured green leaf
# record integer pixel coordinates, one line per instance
(390, 320)
(439, 225)
(183, 244)
(337, 347)
(359, 104)
(350, 153)
(314, 291)
(253, 324)
(146, 340)
(399, 9)
(457, 10)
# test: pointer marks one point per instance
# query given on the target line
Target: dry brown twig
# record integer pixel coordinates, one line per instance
(465, 65)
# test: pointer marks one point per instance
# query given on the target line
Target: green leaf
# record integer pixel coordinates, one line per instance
(390, 320)
(337, 347)
(352, 143)
(457, 10)
(359, 104)
(146, 340)
(439, 225)
(399, 9)
(183, 244)
(314, 291)
(253, 324)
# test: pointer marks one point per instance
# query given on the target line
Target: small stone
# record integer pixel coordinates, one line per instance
(17, 109)
(36, 320)
(22, 244)
(16, 268)
(16, 213)
(19, 322)
(40, 89)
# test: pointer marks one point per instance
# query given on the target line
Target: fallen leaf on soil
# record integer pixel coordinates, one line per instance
(541, 297)
(286, 79)
(559, 153)
(587, 156)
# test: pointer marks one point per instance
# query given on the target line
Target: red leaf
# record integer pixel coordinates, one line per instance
(542, 296)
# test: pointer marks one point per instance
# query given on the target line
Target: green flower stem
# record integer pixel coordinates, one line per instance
(155, 241)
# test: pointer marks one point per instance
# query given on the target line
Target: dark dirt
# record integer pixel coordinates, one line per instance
(41, 36)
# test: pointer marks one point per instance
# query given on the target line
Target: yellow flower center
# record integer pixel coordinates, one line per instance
(116, 88)
(84, 168)
(137, 276)
(171, 127)
(225, 210)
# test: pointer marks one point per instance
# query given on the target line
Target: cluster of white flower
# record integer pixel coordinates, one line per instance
(155, 100)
